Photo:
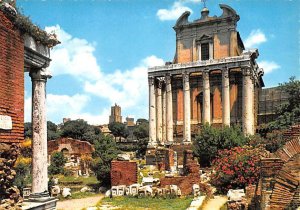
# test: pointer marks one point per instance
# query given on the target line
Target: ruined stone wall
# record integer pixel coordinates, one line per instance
(123, 173)
(74, 146)
(11, 80)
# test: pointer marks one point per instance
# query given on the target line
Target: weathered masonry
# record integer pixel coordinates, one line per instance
(211, 80)
(24, 47)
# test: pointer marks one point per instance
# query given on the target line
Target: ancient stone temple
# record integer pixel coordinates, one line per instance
(23, 47)
(212, 79)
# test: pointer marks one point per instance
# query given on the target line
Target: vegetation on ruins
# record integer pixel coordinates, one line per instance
(23, 165)
(57, 163)
(118, 130)
(289, 112)
(105, 151)
(236, 168)
(210, 140)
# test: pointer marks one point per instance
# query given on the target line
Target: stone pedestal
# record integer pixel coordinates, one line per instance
(169, 110)
(206, 97)
(187, 109)
(39, 135)
(225, 97)
(152, 113)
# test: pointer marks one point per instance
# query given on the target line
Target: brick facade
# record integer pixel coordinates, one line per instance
(11, 79)
(123, 173)
(73, 146)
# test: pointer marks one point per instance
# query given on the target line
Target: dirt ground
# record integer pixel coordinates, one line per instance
(78, 204)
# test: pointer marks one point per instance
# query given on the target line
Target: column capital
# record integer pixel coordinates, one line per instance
(160, 82)
(168, 78)
(41, 74)
(186, 76)
(151, 80)
(246, 71)
(205, 75)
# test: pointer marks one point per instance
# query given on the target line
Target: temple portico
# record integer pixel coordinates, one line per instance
(160, 83)
(212, 80)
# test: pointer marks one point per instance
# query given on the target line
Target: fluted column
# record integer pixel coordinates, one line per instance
(152, 113)
(186, 108)
(159, 110)
(206, 97)
(164, 113)
(225, 97)
(39, 134)
(169, 109)
(248, 102)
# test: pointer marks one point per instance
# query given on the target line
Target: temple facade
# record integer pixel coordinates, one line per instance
(212, 79)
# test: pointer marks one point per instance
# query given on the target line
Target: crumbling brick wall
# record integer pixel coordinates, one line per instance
(74, 146)
(11, 79)
(192, 175)
(123, 173)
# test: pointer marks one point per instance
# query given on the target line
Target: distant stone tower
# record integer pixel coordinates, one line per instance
(115, 115)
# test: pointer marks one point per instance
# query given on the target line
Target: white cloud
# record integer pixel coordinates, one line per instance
(174, 12)
(73, 56)
(268, 66)
(129, 88)
(255, 38)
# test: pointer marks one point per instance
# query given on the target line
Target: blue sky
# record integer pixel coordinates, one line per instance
(107, 46)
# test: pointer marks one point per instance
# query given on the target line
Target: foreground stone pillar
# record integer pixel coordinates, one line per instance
(248, 102)
(169, 109)
(39, 134)
(164, 113)
(225, 97)
(206, 97)
(159, 111)
(152, 113)
(187, 108)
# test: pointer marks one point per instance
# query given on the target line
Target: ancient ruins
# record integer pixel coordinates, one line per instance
(211, 80)
(24, 47)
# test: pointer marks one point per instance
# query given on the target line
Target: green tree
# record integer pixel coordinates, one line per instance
(57, 163)
(118, 130)
(52, 131)
(80, 129)
(289, 112)
(105, 151)
(141, 131)
(207, 143)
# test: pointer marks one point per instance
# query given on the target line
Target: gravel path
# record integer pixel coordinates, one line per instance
(78, 204)
(216, 203)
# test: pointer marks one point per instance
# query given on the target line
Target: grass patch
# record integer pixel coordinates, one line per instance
(84, 180)
(134, 203)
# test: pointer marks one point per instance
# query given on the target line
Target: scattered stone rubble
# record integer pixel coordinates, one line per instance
(9, 195)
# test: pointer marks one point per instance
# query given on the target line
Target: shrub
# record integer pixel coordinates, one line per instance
(23, 175)
(210, 140)
(105, 151)
(236, 168)
(57, 163)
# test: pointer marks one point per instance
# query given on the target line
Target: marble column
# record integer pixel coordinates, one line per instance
(206, 97)
(248, 102)
(164, 113)
(159, 110)
(169, 112)
(225, 97)
(152, 113)
(186, 108)
(39, 134)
